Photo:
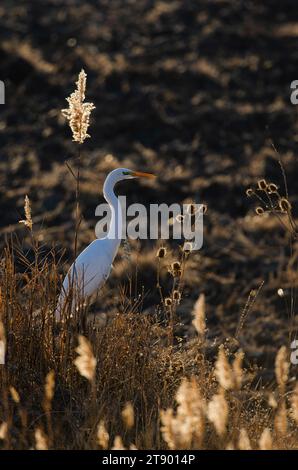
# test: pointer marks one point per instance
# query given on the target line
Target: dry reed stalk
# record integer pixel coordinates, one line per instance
(78, 112)
(265, 441)
(218, 412)
(41, 442)
(14, 395)
(280, 420)
(282, 367)
(198, 313)
(223, 371)
(85, 362)
(118, 444)
(2, 344)
(102, 435)
(128, 415)
(49, 390)
(244, 442)
(28, 217)
(3, 431)
(294, 404)
(184, 428)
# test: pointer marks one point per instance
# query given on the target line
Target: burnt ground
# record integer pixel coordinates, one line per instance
(193, 91)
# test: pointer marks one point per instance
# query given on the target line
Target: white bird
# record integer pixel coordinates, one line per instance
(92, 267)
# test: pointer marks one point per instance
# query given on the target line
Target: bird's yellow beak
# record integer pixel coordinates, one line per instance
(142, 175)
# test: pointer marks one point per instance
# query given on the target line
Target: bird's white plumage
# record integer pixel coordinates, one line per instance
(92, 267)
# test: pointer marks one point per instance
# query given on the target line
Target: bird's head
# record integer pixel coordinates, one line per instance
(125, 174)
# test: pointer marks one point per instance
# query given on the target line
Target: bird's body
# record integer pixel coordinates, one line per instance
(92, 267)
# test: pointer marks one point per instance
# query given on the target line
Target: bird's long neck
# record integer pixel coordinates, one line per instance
(115, 229)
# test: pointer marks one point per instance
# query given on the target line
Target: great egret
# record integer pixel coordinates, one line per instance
(92, 267)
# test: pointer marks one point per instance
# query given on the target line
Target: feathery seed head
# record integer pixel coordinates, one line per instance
(85, 362)
(198, 314)
(282, 367)
(265, 441)
(78, 112)
(28, 218)
(128, 415)
(102, 435)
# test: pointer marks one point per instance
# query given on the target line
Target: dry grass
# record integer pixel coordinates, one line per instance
(128, 384)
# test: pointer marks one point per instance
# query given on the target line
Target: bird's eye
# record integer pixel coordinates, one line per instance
(126, 172)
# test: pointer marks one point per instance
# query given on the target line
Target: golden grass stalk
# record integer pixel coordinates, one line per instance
(3, 430)
(223, 370)
(14, 395)
(265, 441)
(102, 435)
(198, 313)
(218, 412)
(237, 369)
(85, 362)
(118, 444)
(2, 343)
(282, 367)
(294, 404)
(184, 428)
(50, 385)
(128, 415)
(41, 442)
(28, 217)
(280, 420)
(244, 442)
(78, 113)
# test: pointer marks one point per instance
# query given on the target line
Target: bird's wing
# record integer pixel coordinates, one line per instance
(91, 268)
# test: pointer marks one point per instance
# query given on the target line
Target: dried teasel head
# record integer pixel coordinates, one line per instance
(161, 252)
(175, 269)
(187, 248)
(284, 205)
(168, 301)
(262, 185)
(2, 343)
(259, 210)
(272, 188)
(177, 296)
